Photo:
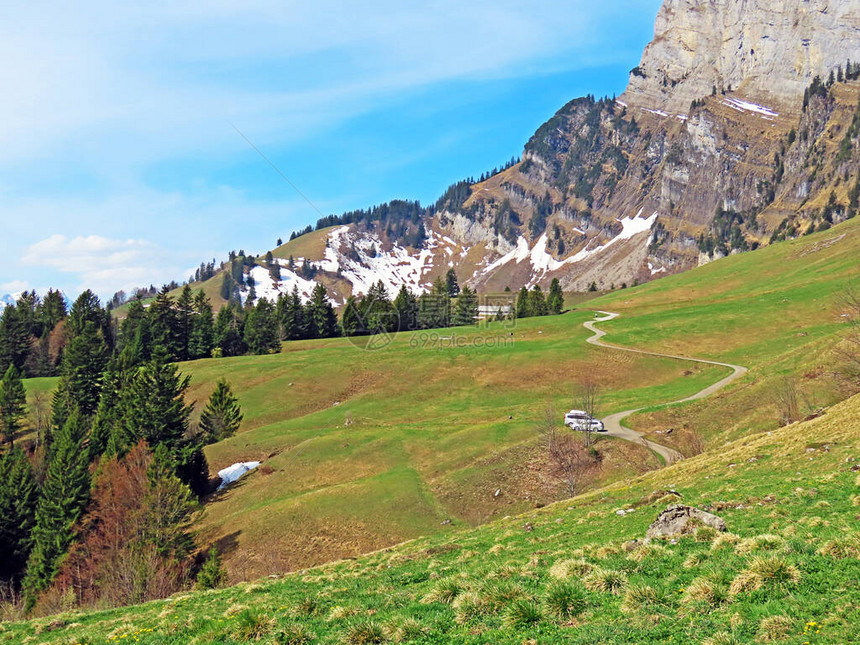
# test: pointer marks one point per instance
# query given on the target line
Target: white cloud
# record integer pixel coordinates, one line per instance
(99, 263)
(16, 286)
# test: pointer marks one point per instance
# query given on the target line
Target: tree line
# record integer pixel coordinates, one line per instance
(96, 508)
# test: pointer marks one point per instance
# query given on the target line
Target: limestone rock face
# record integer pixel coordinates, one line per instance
(767, 49)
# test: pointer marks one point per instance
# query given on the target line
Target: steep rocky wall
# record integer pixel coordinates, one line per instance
(767, 49)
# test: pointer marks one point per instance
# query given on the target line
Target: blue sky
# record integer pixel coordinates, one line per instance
(119, 164)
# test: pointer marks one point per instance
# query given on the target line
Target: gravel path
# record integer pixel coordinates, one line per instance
(614, 427)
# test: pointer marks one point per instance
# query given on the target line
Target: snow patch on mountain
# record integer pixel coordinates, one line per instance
(542, 262)
(746, 106)
(266, 287)
(362, 260)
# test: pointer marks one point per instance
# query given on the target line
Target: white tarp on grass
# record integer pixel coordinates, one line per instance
(232, 473)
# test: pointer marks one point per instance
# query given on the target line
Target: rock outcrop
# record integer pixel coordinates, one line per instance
(683, 520)
(768, 49)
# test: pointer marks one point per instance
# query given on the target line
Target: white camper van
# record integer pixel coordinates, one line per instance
(581, 420)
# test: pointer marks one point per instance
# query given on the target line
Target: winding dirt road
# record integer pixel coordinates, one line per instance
(613, 425)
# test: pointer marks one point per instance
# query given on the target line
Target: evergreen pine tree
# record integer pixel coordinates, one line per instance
(537, 302)
(451, 284)
(212, 574)
(164, 323)
(467, 307)
(84, 360)
(350, 322)
(203, 328)
(229, 327)
(319, 314)
(406, 308)
(227, 286)
(153, 407)
(15, 338)
(18, 497)
(135, 339)
(184, 323)
(261, 328)
(222, 416)
(52, 309)
(63, 497)
(13, 402)
(523, 308)
(555, 299)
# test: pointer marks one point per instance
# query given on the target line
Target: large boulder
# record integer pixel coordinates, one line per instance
(680, 520)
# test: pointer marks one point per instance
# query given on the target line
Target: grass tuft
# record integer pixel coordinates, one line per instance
(774, 628)
(468, 606)
(721, 638)
(703, 595)
(695, 559)
(765, 571)
(767, 542)
(444, 592)
(640, 598)
(294, 634)
(646, 551)
(565, 600)
(564, 569)
(523, 613)
(405, 630)
(841, 548)
(365, 632)
(724, 540)
(251, 625)
(605, 581)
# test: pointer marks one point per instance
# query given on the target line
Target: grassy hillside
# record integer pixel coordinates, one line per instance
(775, 311)
(363, 449)
(785, 572)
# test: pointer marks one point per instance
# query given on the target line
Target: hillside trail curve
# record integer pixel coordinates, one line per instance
(612, 423)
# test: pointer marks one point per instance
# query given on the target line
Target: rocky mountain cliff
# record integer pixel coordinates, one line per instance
(767, 49)
(740, 126)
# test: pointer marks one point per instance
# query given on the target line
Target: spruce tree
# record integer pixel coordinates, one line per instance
(555, 299)
(62, 500)
(523, 308)
(135, 338)
(164, 323)
(261, 328)
(203, 328)
(467, 307)
(406, 308)
(184, 323)
(15, 338)
(319, 314)
(350, 322)
(84, 360)
(451, 284)
(153, 407)
(229, 326)
(52, 309)
(222, 416)
(537, 302)
(212, 574)
(18, 497)
(13, 402)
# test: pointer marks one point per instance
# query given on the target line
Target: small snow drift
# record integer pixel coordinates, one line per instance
(232, 473)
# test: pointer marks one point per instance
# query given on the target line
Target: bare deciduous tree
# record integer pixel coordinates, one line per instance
(40, 415)
(849, 349)
(786, 399)
(571, 462)
(587, 399)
